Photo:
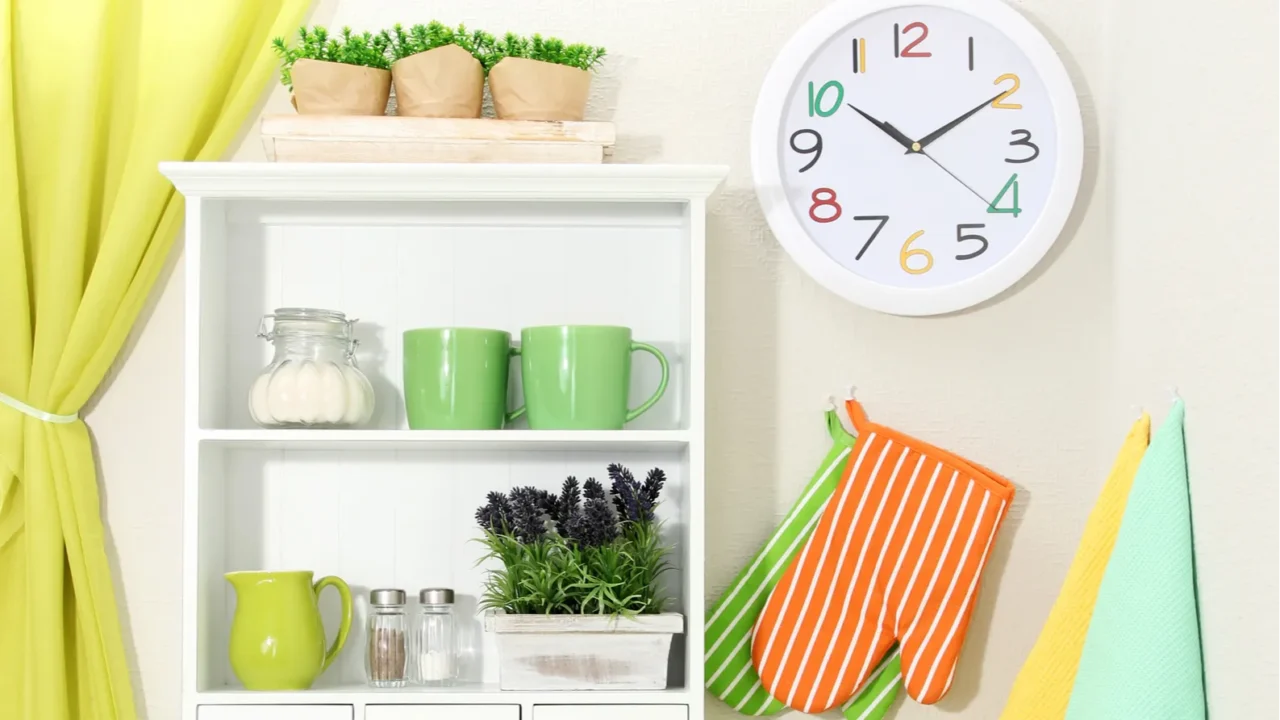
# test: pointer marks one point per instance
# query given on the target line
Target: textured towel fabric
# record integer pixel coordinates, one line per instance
(1141, 658)
(896, 556)
(1043, 687)
(729, 674)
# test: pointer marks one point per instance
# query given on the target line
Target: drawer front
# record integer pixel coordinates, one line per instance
(442, 712)
(275, 712)
(611, 712)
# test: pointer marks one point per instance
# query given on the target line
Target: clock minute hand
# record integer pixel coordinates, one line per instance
(924, 141)
(887, 129)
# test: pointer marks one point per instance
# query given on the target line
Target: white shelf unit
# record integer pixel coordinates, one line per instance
(403, 246)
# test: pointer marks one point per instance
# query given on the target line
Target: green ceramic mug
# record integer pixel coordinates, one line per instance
(577, 377)
(456, 378)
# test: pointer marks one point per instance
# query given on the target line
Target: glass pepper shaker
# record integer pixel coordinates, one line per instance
(435, 639)
(386, 657)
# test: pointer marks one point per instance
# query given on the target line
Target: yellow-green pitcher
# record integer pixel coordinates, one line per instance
(277, 638)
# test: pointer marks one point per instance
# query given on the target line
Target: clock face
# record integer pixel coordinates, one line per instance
(917, 158)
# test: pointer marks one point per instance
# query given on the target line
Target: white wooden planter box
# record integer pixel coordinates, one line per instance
(583, 652)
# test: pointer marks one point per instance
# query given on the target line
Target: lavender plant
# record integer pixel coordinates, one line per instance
(365, 49)
(587, 549)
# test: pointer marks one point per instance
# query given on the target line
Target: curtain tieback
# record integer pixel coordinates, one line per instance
(36, 413)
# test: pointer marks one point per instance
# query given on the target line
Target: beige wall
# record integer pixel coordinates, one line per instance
(1166, 276)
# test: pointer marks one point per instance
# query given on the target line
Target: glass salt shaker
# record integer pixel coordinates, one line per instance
(312, 380)
(435, 639)
(386, 657)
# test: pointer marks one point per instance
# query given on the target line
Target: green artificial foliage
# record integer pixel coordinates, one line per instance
(536, 47)
(603, 555)
(420, 38)
(364, 49)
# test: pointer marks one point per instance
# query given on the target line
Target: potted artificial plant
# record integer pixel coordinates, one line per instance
(345, 75)
(540, 79)
(436, 70)
(576, 604)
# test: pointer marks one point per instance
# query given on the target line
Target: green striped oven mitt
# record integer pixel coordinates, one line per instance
(730, 676)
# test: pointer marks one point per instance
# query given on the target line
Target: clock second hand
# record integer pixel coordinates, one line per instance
(890, 126)
(953, 176)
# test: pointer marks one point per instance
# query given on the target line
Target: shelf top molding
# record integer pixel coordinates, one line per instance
(439, 181)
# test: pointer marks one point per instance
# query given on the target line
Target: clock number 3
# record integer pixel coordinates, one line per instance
(829, 201)
(1025, 141)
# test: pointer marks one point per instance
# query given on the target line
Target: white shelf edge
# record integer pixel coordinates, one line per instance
(444, 181)
(303, 439)
(464, 695)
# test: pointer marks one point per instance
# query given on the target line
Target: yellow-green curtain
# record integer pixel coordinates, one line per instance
(93, 94)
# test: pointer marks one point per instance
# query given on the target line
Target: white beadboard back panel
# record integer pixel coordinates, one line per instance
(396, 518)
(504, 266)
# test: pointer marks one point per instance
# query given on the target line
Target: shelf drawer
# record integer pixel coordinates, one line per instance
(442, 712)
(275, 712)
(612, 712)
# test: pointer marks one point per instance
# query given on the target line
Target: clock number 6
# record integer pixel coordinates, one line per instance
(908, 252)
(1025, 140)
(961, 237)
(828, 201)
(815, 149)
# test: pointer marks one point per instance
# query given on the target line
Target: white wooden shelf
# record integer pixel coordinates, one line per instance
(445, 181)
(496, 440)
(405, 246)
(459, 695)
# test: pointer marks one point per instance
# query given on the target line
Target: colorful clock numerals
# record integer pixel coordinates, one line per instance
(962, 237)
(999, 103)
(828, 202)
(1024, 141)
(907, 252)
(883, 220)
(815, 149)
(1011, 184)
(859, 55)
(910, 51)
(816, 99)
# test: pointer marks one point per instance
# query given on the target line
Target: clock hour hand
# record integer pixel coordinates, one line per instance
(887, 129)
(924, 141)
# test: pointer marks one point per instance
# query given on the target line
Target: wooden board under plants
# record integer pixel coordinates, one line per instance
(335, 138)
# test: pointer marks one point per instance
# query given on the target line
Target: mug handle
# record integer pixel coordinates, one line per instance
(515, 352)
(662, 386)
(344, 625)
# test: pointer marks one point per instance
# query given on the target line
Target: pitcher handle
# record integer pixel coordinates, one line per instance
(514, 353)
(662, 386)
(344, 625)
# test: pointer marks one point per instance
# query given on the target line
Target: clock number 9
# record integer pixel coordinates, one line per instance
(828, 201)
(908, 252)
(815, 149)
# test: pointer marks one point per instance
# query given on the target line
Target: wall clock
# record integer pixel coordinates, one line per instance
(920, 157)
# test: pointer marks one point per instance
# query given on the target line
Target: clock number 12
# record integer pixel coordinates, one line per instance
(909, 50)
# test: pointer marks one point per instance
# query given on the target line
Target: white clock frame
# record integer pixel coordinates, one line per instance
(767, 170)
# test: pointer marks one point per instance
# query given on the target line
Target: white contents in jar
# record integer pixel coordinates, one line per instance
(311, 393)
(435, 666)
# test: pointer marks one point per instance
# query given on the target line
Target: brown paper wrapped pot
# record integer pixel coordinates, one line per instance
(329, 88)
(445, 82)
(526, 89)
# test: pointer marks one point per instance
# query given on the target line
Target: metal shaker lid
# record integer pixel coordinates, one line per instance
(435, 596)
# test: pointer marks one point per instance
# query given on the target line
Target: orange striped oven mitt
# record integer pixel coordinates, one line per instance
(896, 557)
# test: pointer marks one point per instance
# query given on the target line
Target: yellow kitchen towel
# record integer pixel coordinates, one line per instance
(1043, 687)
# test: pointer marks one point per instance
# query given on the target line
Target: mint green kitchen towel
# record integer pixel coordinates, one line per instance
(1141, 658)
(729, 673)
